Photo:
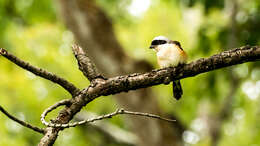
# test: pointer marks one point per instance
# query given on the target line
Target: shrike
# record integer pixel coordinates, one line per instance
(169, 53)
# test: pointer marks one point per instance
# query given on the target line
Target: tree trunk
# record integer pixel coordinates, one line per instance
(94, 32)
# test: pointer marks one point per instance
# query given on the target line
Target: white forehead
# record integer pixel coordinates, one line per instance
(160, 38)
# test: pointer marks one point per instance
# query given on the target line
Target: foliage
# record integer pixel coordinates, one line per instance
(31, 30)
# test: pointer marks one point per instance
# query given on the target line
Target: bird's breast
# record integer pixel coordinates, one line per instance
(170, 55)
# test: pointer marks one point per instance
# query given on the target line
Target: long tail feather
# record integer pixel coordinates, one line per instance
(177, 89)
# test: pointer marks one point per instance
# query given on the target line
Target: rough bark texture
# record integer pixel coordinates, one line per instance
(94, 32)
(85, 64)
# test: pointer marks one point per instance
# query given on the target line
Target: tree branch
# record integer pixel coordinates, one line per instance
(34, 128)
(107, 116)
(85, 64)
(41, 72)
(137, 80)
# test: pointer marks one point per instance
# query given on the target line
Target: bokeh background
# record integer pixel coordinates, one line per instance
(218, 108)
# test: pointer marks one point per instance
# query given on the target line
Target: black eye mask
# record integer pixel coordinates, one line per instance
(158, 42)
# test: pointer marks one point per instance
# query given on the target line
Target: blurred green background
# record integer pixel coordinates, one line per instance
(33, 31)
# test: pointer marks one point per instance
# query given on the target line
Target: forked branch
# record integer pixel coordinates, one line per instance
(137, 80)
(126, 83)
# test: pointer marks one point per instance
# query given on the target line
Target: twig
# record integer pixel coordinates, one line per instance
(117, 112)
(51, 108)
(34, 128)
(85, 64)
(41, 72)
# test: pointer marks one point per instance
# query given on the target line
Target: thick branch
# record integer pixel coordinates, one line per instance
(40, 72)
(34, 128)
(85, 64)
(136, 81)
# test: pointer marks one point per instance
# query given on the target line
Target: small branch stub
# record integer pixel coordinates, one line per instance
(85, 64)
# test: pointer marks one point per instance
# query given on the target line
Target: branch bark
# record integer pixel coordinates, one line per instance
(137, 80)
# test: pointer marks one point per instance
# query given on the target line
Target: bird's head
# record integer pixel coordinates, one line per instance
(162, 40)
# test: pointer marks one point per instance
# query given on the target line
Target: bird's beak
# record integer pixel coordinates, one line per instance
(152, 47)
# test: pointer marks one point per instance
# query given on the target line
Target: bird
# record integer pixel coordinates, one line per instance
(170, 54)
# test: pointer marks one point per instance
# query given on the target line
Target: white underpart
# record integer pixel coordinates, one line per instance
(169, 55)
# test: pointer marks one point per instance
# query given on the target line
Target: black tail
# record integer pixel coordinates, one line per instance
(177, 90)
